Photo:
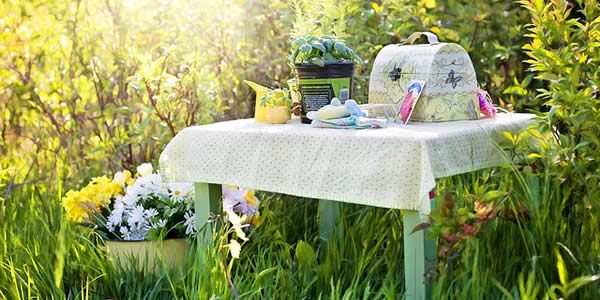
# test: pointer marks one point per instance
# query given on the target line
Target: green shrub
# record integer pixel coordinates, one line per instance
(96, 85)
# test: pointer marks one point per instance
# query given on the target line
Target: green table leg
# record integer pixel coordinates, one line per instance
(208, 201)
(329, 212)
(419, 257)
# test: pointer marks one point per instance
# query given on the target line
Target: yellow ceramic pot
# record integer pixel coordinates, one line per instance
(277, 114)
(260, 112)
(149, 255)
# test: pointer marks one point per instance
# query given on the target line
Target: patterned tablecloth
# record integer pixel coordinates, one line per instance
(394, 167)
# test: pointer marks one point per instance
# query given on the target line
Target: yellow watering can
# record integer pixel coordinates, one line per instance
(260, 112)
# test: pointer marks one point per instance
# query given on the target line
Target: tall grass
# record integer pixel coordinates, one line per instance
(44, 256)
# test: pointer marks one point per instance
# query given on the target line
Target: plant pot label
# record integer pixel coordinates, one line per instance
(318, 85)
(315, 95)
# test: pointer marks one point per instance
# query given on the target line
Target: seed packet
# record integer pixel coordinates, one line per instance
(408, 102)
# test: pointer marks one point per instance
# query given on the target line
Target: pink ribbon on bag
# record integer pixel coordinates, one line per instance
(485, 104)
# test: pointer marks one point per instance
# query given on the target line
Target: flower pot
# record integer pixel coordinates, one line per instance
(149, 254)
(318, 85)
(277, 114)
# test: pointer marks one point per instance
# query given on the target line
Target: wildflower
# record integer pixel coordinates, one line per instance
(150, 213)
(178, 191)
(231, 197)
(131, 196)
(144, 169)
(149, 185)
(443, 251)
(160, 224)
(240, 200)
(124, 232)
(250, 198)
(485, 211)
(234, 248)
(116, 215)
(75, 206)
(136, 217)
(190, 222)
(255, 219)
(237, 222)
(469, 230)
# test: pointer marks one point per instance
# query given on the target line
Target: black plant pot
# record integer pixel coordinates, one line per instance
(318, 85)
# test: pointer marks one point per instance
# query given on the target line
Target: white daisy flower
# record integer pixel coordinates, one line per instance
(150, 213)
(124, 232)
(136, 217)
(190, 222)
(132, 195)
(114, 219)
(178, 191)
(160, 224)
(119, 203)
(149, 185)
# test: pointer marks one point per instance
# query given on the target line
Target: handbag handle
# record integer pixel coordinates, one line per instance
(432, 39)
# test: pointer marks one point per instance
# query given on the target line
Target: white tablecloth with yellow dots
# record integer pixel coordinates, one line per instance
(393, 167)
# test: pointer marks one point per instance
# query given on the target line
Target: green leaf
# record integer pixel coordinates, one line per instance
(509, 136)
(493, 195)
(533, 156)
(328, 57)
(305, 49)
(527, 80)
(562, 269)
(317, 61)
(579, 282)
(305, 255)
(299, 41)
(340, 47)
(294, 55)
(318, 46)
(265, 272)
(328, 44)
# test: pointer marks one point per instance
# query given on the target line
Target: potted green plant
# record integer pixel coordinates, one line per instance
(277, 103)
(324, 67)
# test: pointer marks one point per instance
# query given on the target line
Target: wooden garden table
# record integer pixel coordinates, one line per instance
(393, 167)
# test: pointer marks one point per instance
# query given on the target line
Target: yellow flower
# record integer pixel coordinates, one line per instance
(250, 198)
(76, 206)
(79, 205)
(100, 180)
(128, 178)
(255, 219)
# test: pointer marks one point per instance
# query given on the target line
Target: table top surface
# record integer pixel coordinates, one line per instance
(392, 167)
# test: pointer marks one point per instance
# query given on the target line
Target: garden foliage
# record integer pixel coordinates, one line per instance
(90, 87)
